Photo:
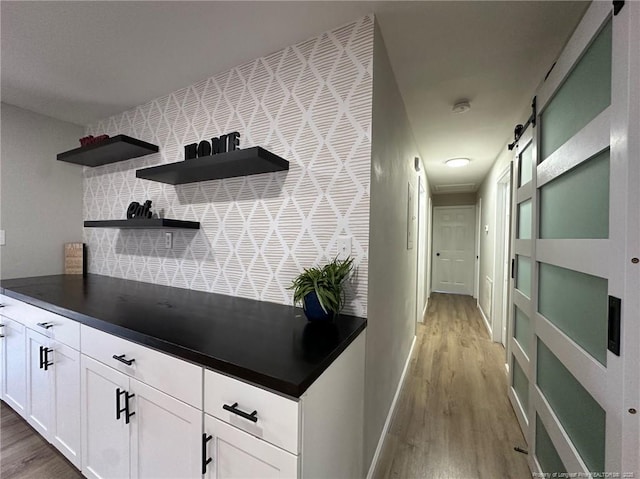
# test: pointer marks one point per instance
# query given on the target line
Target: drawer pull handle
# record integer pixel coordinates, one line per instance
(121, 358)
(234, 409)
(205, 460)
(45, 325)
(2, 305)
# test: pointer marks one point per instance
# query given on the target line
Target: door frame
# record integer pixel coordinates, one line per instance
(434, 209)
(421, 265)
(502, 245)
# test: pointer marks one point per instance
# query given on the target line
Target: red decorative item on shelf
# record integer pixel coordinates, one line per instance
(89, 140)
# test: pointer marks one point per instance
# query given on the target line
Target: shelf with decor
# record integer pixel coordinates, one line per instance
(111, 150)
(244, 162)
(144, 223)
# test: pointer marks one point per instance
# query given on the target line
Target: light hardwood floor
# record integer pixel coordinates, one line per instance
(25, 455)
(453, 419)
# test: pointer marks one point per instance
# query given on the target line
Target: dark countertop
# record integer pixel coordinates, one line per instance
(268, 344)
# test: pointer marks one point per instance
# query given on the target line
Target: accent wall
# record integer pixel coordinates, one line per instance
(310, 103)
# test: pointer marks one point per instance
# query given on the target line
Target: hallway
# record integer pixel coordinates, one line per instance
(453, 418)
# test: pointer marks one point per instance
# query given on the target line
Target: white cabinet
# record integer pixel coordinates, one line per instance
(65, 402)
(165, 435)
(236, 454)
(105, 434)
(39, 382)
(275, 418)
(41, 376)
(119, 410)
(14, 370)
(130, 429)
(256, 433)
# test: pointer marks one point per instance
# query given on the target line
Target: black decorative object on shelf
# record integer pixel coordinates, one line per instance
(221, 144)
(249, 161)
(111, 150)
(138, 211)
(144, 223)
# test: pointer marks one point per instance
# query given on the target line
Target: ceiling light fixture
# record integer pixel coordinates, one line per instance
(457, 162)
(461, 106)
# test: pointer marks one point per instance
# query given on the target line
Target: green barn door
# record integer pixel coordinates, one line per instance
(569, 390)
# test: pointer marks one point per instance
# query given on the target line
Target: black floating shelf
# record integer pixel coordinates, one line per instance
(249, 161)
(151, 223)
(111, 150)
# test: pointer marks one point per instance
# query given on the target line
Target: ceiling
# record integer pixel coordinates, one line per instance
(81, 61)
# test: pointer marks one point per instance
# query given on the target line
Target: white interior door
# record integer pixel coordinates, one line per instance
(453, 249)
(571, 295)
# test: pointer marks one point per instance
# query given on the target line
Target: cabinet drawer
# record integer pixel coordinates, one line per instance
(52, 325)
(176, 377)
(277, 417)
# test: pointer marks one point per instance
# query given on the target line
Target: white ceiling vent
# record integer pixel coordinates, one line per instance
(459, 188)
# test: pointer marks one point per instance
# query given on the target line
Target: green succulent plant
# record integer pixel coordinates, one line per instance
(327, 283)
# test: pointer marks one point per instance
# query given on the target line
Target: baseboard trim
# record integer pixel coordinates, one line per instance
(392, 409)
(486, 322)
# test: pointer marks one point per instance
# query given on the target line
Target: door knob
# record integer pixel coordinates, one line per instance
(437, 254)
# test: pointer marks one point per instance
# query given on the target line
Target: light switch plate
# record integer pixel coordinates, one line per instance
(168, 240)
(344, 247)
(2, 238)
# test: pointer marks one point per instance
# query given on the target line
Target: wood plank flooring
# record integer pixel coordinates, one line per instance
(453, 419)
(24, 454)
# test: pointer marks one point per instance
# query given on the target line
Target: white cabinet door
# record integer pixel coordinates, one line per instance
(105, 438)
(235, 454)
(166, 435)
(14, 372)
(39, 382)
(65, 402)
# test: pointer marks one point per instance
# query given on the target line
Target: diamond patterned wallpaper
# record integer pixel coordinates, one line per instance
(309, 103)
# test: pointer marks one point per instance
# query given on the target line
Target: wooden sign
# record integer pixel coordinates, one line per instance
(74, 258)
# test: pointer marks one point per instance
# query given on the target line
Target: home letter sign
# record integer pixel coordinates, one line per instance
(221, 144)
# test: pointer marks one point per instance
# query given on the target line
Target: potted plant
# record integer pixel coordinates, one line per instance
(319, 289)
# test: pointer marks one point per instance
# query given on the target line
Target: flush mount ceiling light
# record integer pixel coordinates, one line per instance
(457, 162)
(461, 106)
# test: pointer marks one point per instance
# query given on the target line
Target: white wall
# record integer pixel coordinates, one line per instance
(41, 198)
(392, 267)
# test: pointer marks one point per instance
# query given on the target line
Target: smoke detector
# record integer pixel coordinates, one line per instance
(461, 106)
